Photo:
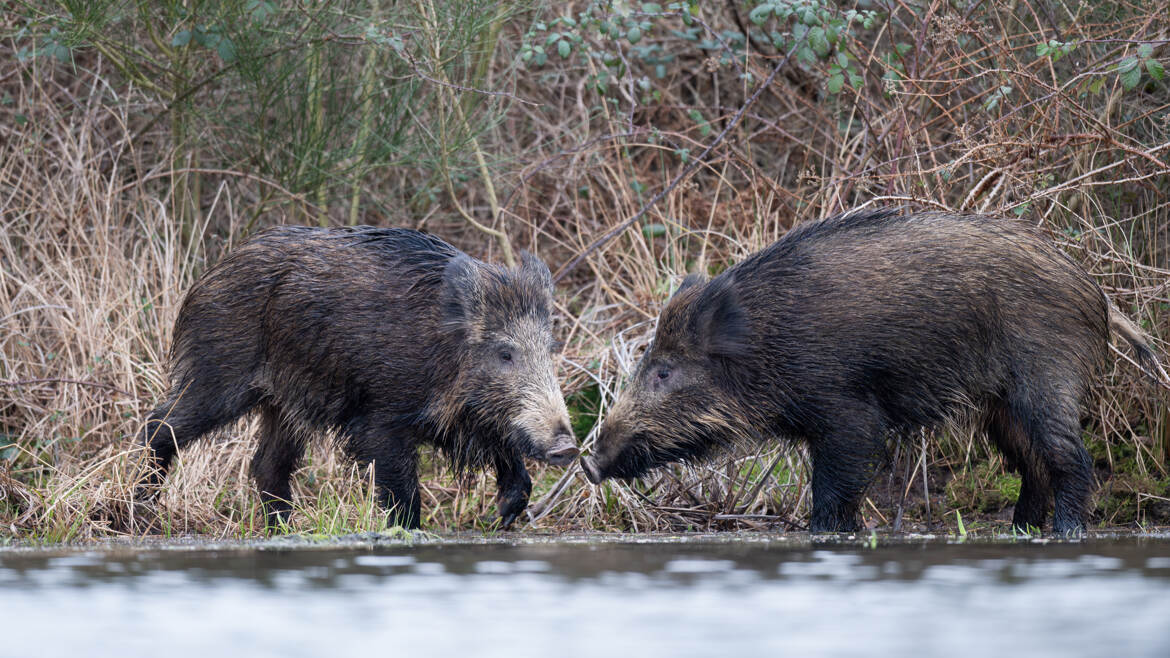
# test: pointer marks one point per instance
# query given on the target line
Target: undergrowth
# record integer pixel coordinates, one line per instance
(141, 141)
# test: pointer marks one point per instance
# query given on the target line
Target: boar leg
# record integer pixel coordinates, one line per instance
(396, 476)
(513, 486)
(277, 456)
(1047, 409)
(843, 463)
(395, 461)
(191, 411)
(1072, 477)
(1010, 436)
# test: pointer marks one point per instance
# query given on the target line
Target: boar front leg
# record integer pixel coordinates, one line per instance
(843, 464)
(396, 476)
(513, 486)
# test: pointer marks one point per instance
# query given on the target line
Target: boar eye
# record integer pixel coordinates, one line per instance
(505, 356)
(663, 373)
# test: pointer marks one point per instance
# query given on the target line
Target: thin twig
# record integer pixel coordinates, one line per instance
(62, 380)
(687, 171)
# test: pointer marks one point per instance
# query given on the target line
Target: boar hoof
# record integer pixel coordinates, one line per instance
(510, 510)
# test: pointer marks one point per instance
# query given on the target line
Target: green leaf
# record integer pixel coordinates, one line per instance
(634, 35)
(181, 39)
(819, 42)
(836, 82)
(1157, 71)
(761, 13)
(843, 60)
(1131, 78)
(564, 48)
(1145, 51)
(1128, 64)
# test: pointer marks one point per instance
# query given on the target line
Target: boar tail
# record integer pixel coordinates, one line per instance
(1139, 342)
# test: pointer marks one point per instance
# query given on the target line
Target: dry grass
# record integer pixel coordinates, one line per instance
(94, 263)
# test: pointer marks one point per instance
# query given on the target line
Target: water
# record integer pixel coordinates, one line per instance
(744, 597)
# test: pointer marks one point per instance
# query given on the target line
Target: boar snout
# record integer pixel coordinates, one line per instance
(563, 450)
(589, 465)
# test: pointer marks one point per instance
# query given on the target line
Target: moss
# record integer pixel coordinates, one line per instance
(985, 489)
(1125, 499)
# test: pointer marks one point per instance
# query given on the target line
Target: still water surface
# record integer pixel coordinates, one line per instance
(739, 598)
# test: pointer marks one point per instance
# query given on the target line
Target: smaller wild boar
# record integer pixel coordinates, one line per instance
(872, 325)
(388, 338)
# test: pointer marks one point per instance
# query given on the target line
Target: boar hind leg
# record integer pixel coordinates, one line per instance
(191, 411)
(1010, 435)
(277, 456)
(1072, 477)
(1051, 421)
(843, 464)
(513, 486)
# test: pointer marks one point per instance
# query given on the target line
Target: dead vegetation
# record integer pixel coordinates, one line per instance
(1025, 109)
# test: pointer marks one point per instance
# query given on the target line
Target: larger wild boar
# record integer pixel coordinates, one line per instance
(852, 330)
(388, 337)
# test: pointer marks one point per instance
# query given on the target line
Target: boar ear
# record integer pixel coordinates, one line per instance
(720, 321)
(537, 268)
(691, 280)
(462, 295)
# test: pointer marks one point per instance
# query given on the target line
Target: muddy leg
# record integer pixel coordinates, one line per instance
(1009, 434)
(843, 463)
(189, 413)
(1072, 484)
(277, 456)
(513, 486)
(396, 475)
(1049, 417)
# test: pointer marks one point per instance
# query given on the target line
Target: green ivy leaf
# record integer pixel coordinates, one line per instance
(564, 48)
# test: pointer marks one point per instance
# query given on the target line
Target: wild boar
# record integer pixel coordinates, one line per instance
(872, 325)
(388, 338)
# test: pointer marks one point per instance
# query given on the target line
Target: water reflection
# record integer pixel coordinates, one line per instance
(655, 599)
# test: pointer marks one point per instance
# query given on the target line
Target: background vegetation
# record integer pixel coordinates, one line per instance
(626, 143)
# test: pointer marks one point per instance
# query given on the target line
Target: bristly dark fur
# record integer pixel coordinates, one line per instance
(384, 336)
(871, 324)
